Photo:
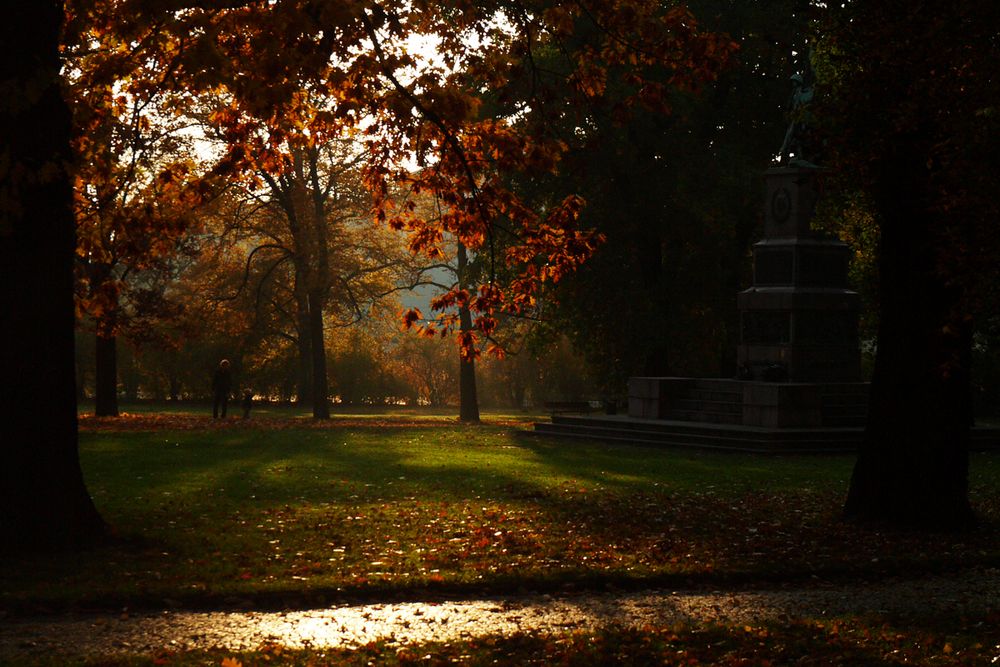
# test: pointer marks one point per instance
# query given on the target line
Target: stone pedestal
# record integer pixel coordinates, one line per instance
(799, 319)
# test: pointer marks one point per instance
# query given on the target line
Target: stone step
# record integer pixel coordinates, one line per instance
(747, 442)
(832, 438)
(696, 428)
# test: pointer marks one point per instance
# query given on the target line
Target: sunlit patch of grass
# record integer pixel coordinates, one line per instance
(239, 516)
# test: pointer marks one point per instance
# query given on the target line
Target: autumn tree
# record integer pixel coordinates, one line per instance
(201, 331)
(536, 368)
(367, 366)
(312, 258)
(431, 368)
(305, 206)
(912, 108)
(138, 185)
(451, 274)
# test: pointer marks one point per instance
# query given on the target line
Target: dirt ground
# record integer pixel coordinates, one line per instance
(970, 593)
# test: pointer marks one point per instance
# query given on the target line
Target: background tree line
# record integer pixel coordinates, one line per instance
(369, 364)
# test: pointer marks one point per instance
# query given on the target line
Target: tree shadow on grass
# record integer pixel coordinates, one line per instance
(197, 514)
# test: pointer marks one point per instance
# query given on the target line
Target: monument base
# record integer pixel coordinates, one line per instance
(748, 402)
(737, 415)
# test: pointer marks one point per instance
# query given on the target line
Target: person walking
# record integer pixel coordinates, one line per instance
(222, 383)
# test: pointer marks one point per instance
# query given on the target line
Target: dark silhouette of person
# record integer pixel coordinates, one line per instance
(222, 383)
(247, 403)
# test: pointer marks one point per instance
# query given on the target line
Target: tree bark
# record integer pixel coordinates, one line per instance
(468, 398)
(43, 499)
(305, 375)
(303, 331)
(106, 382)
(321, 403)
(319, 284)
(913, 465)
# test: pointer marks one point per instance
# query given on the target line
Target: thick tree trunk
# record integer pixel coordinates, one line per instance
(43, 500)
(321, 404)
(319, 281)
(913, 465)
(106, 383)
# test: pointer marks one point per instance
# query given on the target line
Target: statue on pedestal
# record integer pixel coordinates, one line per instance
(799, 146)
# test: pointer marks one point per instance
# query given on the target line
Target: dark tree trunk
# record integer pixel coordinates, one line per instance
(914, 462)
(468, 410)
(43, 500)
(106, 383)
(321, 404)
(305, 375)
(468, 398)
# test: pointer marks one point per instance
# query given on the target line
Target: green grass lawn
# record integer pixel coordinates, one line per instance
(277, 512)
(360, 508)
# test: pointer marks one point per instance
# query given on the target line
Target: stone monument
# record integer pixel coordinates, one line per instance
(799, 319)
(799, 356)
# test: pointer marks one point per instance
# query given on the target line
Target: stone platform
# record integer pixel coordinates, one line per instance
(748, 402)
(701, 435)
(737, 415)
(721, 436)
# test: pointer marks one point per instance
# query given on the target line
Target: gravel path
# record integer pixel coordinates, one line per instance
(972, 592)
